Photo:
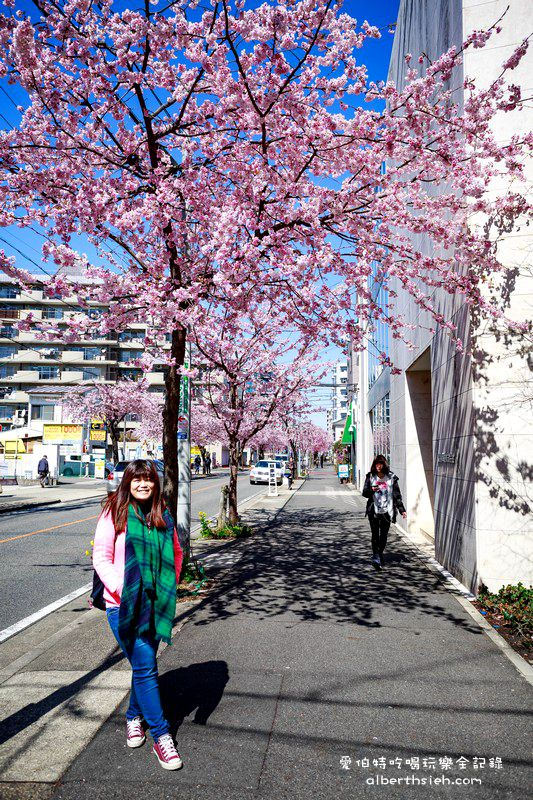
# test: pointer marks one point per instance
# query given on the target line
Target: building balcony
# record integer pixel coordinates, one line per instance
(9, 313)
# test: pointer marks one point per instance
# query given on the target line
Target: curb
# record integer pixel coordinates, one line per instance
(464, 597)
(184, 612)
(5, 509)
(220, 544)
(22, 506)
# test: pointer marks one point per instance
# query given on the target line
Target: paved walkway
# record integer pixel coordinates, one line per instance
(305, 660)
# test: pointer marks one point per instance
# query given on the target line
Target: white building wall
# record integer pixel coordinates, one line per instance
(478, 431)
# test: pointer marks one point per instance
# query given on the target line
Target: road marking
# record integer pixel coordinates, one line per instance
(47, 530)
(43, 612)
(65, 524)
(7, 633)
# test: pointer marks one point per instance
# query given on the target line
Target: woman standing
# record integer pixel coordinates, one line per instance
(384, 500)
(138, 558)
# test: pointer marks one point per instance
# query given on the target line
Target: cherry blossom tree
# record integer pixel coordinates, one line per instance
(235, 153)
(249, 383)
(110, 403)
(303, 436)
(272, 437)
(312, 439)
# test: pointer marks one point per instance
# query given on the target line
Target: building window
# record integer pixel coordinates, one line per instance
(52, 313)
(8, 332)
(91, 375)
(47, 352)
(91, 353)
(379, 341)
(9, 312)
(130, 336)
(47, 373)
(7, 352)
(380, 422)
(45, 412)
(132, 374)
(8, 291)
(6, 371)
(6, 412)
(125, 356)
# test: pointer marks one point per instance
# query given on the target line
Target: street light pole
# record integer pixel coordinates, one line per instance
(183, 514)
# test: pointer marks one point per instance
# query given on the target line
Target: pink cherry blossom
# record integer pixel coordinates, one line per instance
(232, 157)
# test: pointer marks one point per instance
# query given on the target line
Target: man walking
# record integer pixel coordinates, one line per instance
(43, 470)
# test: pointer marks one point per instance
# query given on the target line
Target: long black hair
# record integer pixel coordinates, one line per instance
(118, 502)
(379, 459)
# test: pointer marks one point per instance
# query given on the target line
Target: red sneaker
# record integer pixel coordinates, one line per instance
(166, 752)
(135, 736)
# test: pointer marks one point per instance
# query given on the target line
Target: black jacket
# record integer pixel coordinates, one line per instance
(397, 502)
(42, 466)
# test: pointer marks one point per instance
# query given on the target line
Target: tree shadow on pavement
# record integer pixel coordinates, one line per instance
(315, 564)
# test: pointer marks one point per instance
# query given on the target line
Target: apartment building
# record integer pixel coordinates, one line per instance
(29, 365)
(338, 410)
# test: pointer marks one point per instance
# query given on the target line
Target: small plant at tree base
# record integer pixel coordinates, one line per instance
(192, 571)
(226, 531)
(206, 531)
(193, 578)
(236, 531)
(514, 603)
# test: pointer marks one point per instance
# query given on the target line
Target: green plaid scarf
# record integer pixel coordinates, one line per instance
(148, 601)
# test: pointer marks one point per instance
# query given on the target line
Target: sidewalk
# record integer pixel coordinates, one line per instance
(304, 660)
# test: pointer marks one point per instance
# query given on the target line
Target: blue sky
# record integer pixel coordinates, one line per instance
(375, 54)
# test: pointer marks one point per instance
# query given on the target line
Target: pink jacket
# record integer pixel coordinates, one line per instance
(108, 558)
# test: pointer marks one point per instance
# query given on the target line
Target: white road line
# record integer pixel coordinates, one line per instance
(7, 633)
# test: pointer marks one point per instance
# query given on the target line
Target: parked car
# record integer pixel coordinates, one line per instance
(260, 471)
(115, 477)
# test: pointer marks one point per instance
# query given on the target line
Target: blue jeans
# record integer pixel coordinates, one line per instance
(145, 700)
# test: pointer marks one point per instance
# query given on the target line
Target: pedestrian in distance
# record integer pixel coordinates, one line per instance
(384, 500)
(197, 463)
(43, 471)
(138, 558)
(208, 464)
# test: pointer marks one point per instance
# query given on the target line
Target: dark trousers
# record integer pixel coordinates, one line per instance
(379, 525)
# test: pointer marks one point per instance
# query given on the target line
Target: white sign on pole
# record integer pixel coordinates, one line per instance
(272, 479)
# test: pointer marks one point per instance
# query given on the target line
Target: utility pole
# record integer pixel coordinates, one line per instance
(183, 514)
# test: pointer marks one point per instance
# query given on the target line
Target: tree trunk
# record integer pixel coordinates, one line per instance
(233, 516)
(222, 518)
(294, 459)
(170, 421)
(112, 426)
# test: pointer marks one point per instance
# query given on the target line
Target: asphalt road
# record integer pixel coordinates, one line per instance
(38, 569)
